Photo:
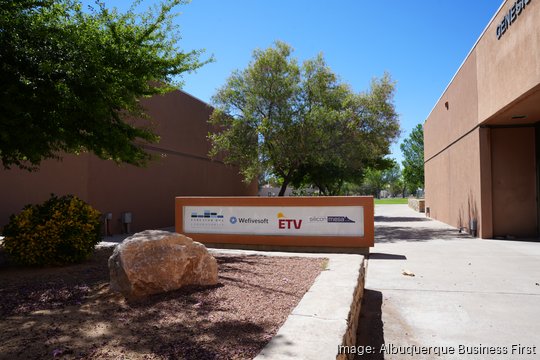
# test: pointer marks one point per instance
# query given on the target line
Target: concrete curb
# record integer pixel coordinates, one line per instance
(326, 317)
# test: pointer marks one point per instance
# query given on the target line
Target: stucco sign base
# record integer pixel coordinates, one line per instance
(301, 222)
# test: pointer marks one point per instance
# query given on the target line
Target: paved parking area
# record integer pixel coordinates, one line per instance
(479, 299)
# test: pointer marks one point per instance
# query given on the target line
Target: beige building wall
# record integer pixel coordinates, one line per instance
(454, 195)
(455, 114)
(509, 67)
(452, 152)
(20, 187)
(477, 165)
(181, 168)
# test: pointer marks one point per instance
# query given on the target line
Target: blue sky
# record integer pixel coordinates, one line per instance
(420, 43)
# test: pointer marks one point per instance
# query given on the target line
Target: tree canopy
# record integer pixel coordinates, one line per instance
(300, 122)
(72, 79)
(396, 184)
(385, 176)
(413, 163)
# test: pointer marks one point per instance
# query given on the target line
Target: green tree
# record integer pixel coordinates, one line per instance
(355, 134)
(72, 80)
(255, 114)
(300, 122)
(413, 163)
(374, 181)
(394, 180)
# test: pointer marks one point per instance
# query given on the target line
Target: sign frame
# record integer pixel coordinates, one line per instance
(365, 241)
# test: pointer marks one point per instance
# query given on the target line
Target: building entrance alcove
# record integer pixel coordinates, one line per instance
(514, 181)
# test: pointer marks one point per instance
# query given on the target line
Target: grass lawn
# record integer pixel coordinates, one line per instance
(391, 201)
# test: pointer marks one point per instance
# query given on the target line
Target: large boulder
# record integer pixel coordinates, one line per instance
(155, 261)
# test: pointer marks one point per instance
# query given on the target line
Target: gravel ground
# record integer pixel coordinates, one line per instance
(70, 313)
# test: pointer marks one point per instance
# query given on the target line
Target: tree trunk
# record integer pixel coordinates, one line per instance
(322, 189)
(283, 187)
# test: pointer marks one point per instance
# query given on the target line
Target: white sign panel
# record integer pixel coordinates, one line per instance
(275, 220)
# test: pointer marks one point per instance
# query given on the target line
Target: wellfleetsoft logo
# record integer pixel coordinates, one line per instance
(234, 220)
(284, 223)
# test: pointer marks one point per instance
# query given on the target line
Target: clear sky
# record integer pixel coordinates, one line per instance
(420, 43)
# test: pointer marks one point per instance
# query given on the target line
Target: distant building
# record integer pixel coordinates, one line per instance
(269, 191)
(183, 168)
(482, 138)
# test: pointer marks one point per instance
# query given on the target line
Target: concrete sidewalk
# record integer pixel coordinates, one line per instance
(466, 294)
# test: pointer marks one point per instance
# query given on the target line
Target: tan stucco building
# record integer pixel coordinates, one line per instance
(482, 138)
(182, 168)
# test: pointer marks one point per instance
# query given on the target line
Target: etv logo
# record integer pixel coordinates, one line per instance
(288, 223)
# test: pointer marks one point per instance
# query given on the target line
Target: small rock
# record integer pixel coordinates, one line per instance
(57, 352)
(407, 273)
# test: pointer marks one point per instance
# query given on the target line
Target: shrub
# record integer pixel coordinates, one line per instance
(62, 230)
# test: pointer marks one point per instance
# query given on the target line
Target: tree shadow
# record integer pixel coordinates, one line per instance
(58, 286)
(189, 294)
(233, 259)
(227, 263)
(383, 256)
(243, 284)
(40, 319)
(381, 218)
(370, 327)
(391, 234)
(107, 335)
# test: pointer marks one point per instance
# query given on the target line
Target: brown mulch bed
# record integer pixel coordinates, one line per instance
(70, 313)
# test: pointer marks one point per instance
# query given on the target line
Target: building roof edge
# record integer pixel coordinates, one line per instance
(196, 98)
(466, 57)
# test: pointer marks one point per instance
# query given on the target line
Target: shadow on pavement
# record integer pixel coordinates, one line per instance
(390, 234)
(400, 219)
(383, 256)
(370, 328)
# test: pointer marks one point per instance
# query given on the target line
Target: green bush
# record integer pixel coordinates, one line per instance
(62, 230)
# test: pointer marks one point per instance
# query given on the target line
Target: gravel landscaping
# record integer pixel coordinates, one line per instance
(70, 313)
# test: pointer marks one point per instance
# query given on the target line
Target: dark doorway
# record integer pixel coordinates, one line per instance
(514, 169)
(537, 142)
